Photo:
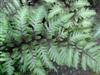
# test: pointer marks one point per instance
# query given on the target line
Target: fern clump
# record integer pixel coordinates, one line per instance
(33, 38)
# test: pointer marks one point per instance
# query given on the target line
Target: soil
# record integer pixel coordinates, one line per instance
(64, 70)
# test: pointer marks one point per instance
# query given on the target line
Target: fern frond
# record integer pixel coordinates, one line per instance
(8, 66)
(81, 3)
(54, 12)
(84, 62)
(43, 54)
(70, 56)
(33, 37)
(77, 36)
(39, 71)
(88, 13)
(54, 54)
(3, 26)
(2, 56)
(50, 1)
(11, 7)
(63, 55)
(76, 58)
(38, 14)
(63, 18)
(21, 23)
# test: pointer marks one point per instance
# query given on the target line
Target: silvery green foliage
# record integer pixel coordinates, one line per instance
(32, 38)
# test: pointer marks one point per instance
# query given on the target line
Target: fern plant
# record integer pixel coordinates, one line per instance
(33, 38)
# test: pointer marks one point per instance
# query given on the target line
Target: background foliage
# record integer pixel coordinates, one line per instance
(35, 36)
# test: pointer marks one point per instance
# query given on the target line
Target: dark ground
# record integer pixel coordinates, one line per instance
(64, 70)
